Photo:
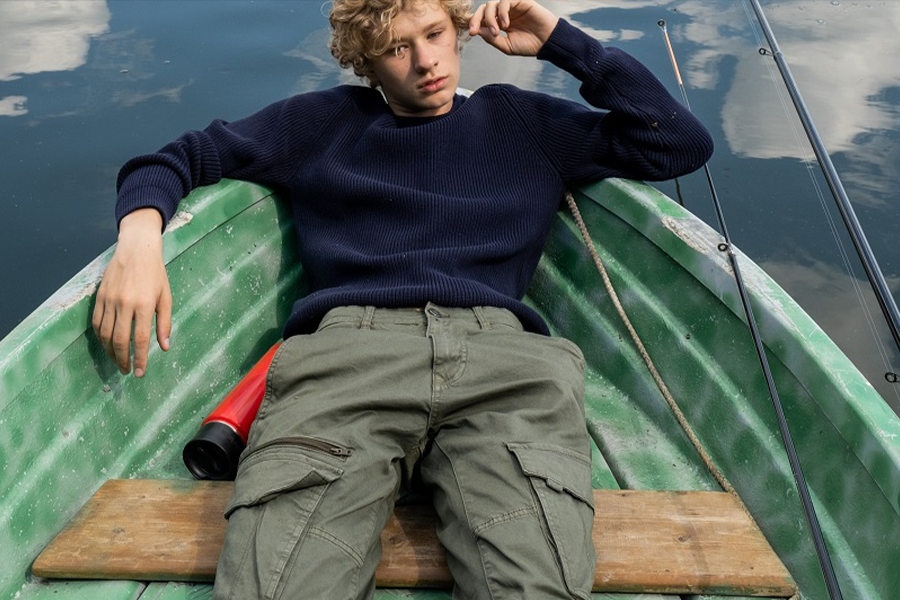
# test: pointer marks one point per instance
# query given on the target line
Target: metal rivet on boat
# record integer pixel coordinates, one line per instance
(723, 247)
(892, 377)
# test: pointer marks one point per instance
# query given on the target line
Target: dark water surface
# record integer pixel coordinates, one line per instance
(86, 84)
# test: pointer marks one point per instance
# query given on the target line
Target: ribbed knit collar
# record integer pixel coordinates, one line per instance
(414, 121)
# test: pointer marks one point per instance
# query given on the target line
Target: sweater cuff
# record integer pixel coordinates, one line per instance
(567, 47)
(150, 186)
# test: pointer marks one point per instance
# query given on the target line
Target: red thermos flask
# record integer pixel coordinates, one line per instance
(214, 452)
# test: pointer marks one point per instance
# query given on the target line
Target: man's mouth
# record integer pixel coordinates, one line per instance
(433, 85)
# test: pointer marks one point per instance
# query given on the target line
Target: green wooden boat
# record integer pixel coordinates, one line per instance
(69, 420)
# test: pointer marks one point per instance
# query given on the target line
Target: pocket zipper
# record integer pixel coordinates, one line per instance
(307, 442)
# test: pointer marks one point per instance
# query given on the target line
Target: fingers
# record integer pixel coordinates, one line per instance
(499, 42)
(515, 27)
(134, 288)
(121, 340)
(503, 14)
(490, 18)
(143, 321)
(99, 309)
(104, 322)
(113, 323)
(489, 21)
(164, 318)
(475, 20)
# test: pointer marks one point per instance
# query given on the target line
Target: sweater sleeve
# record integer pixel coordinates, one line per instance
(646, 133)
(264, 148)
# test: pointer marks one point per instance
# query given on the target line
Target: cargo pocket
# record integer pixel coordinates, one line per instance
(267, 473)
(277, 491)
(561, 480)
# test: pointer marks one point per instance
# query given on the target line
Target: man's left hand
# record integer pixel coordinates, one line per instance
(527, 25)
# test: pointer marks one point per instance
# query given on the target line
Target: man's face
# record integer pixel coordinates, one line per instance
(420, 72)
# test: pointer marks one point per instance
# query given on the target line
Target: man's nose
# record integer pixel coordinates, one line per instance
(424, 60)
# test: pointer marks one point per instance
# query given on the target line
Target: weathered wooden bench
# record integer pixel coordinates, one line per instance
(646, 541)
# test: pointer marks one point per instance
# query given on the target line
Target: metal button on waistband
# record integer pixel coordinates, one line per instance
(434, 313)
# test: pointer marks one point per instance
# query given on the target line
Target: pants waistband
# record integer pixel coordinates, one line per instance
(366, 316)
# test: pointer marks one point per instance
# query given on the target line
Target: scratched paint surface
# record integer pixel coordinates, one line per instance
(69, 421)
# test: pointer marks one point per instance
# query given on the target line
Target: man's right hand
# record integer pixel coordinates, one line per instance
(527, 24)
(134, 288)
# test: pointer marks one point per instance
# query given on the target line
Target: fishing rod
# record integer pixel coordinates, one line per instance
(831, 583)
(873, 272)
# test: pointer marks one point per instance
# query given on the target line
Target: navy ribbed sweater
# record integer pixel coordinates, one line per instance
(454, 209)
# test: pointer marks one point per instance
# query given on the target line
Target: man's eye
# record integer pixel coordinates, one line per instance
(399, 50)
(435, 34)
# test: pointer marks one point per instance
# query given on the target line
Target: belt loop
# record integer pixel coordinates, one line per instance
(367, 317)
(482, 319)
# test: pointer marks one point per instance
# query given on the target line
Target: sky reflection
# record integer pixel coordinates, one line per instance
(13, 106)
(37, 36)
(835, 68)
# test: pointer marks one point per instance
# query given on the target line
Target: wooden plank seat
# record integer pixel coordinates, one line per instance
(647, 541)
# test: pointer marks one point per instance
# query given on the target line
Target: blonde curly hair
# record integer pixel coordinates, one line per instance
(361, 29)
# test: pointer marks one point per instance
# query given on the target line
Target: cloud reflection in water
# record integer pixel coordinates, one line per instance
(13, 106)
(37, 36)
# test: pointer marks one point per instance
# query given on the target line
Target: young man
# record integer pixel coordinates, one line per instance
(420, 216)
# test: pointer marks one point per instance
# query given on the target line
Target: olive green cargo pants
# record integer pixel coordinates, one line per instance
(488, 417)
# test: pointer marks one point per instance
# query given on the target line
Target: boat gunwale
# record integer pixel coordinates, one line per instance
(865, 421)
